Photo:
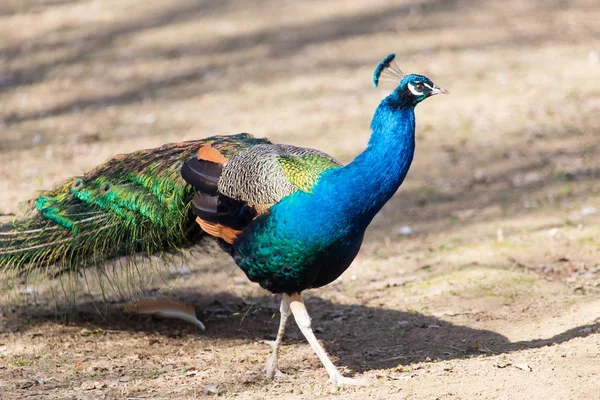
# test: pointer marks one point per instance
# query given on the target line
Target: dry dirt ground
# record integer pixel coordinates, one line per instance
(496, 293)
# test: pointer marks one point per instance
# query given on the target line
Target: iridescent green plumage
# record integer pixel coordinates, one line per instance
(133, 203)
(304, 171)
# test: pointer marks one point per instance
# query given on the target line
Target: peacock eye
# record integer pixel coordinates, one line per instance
(105, 188)
(419, 87)
(77, 183)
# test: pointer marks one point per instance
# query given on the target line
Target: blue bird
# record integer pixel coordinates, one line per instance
(292, 218)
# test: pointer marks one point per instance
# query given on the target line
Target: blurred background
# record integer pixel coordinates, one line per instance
(83, 80)
(503, 198)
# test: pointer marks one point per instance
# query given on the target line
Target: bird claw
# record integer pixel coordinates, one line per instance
(274, 374)
(340, 380)
(271, 369)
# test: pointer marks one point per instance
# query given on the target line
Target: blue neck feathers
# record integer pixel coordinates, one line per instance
(361, 188)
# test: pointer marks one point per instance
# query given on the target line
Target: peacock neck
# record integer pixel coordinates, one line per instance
(369, 181)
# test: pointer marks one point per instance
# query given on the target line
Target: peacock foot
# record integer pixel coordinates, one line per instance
(340, 380)
(273, 373)
(271, 368)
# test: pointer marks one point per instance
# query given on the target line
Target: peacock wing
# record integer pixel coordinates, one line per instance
(235, 188)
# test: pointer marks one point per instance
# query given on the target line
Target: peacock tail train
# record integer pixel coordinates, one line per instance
(134, 204)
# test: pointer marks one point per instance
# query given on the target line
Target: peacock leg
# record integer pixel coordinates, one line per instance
(272, 367)
(303, 321)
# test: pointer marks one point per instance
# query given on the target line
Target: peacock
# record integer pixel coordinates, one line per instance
(292, 218)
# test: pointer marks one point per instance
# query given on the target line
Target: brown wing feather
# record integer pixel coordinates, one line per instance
(218, 215)
(209, 153)
(218, 230)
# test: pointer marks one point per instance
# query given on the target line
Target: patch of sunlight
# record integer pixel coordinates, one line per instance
(473, 282)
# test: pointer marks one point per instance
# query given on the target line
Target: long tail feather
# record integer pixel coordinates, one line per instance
(135, 203)
(125, 210)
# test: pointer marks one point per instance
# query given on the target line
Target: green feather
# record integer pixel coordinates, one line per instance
(135, 203)
(304, 171)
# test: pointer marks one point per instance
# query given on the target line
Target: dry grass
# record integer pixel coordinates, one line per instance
(502, 271)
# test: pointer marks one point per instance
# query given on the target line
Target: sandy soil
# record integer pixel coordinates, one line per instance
(496, 293)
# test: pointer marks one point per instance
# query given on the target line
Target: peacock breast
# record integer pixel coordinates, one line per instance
(296, 246)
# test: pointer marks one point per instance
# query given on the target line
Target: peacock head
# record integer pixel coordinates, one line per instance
(412, 88)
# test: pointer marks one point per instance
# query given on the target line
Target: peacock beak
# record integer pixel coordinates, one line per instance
(438, 90)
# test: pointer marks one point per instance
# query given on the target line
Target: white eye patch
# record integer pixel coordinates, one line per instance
(413, 90)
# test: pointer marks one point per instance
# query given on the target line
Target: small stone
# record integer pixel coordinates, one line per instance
(28, 291)
(523, 367)
(464, 214)
(37, 140)
(528, 177)
(480, 175)
(405, 231)
(502, 364)
(531, 204)
(210, 389)
(112, 383)
(588, 211)
(240, 280)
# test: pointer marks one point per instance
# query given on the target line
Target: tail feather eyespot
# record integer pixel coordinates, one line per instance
(105, 188)
(77, 184)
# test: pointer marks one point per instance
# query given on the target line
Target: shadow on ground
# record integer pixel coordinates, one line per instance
(362, 338)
